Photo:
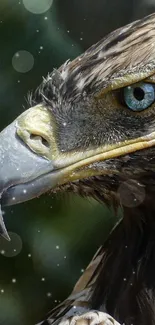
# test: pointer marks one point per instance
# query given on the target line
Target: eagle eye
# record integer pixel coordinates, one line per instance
(139, 96)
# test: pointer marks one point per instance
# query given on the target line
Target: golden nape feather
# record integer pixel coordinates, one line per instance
(117, 60)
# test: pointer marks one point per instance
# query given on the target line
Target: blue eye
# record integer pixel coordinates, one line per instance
(139, 96)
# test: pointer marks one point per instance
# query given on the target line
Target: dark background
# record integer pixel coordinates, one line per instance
(53, 238)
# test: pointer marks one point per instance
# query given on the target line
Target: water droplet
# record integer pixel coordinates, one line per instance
(57, 247)
(49, 295)
(43, 279)
(14, 280)
(11, 248)
(131, 193)
(2, 290)
(23, 61)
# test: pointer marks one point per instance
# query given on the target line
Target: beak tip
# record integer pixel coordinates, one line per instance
(6, 236)
(3, 230)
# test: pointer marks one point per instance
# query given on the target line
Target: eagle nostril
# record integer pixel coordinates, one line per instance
(40, 138)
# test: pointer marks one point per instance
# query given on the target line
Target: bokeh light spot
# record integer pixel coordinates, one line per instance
(131, 193)
(23, 61)
(37, 6)
(42, 260)
(11, 248)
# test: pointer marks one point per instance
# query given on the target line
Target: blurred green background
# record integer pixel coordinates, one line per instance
(53, 237)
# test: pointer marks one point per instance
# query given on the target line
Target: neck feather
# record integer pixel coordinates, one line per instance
(125, 287)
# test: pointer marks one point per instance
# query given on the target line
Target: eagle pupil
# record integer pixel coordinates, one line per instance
(139, 93)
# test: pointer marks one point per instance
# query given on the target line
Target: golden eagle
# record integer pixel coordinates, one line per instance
(90, 129)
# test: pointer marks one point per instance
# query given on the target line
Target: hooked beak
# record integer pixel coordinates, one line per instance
(24, 171)
(32, 162)
(20, 168)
